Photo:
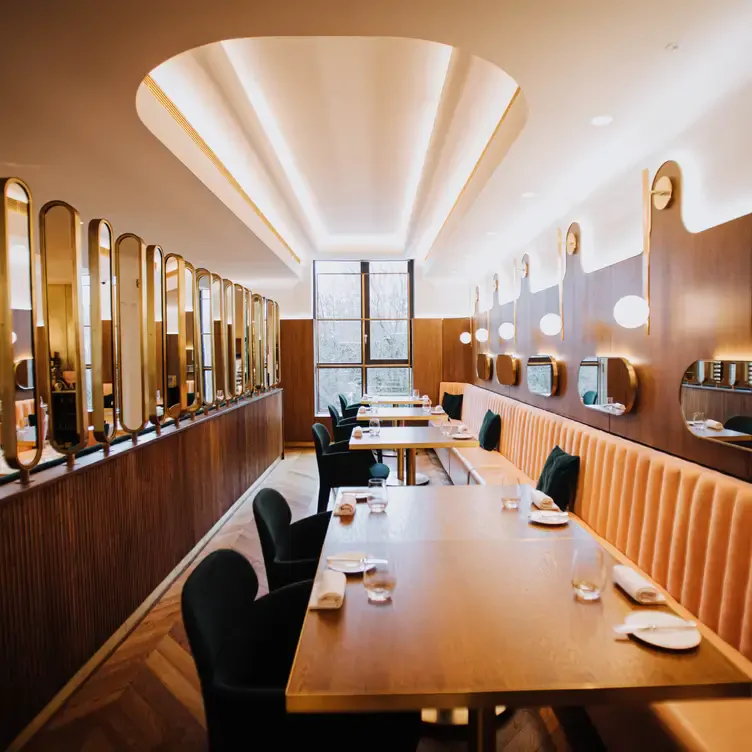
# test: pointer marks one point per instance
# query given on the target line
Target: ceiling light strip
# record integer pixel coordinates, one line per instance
(475, 168)
(207, 151)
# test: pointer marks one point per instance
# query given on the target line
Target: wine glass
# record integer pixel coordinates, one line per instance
(588, 573)
(375, 425)
(380, 579)
(377, 495)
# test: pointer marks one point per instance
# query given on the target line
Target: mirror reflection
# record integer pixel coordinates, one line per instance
(507, 369)
(259, 346)
(277, 336)
(270, 367)
(191, 325)
(247, 328)
(206, 338)
(229, 295)
(542, 375)
(220, 336)
(239, 318)
(155, 333)
(716, 401)
(24, 371)
(607, 384)
(483, 366)
(175, 335)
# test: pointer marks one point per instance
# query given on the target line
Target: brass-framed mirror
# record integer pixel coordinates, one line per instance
(269, 324)
(66, 309)
(176, 397)
(205, 351)
(20, 306)
(104, 331)
(483, 366)
(507, 369)
(155, 334)
(133, 372)
(259, 342)
(228, 291)
(240, 319)
(277, 336)
(542, 375)
(191, 375)
(248, 308)
(607, 384)
(716, 401)
(220, 338)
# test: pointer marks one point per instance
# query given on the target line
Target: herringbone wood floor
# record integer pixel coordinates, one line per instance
(146, 695)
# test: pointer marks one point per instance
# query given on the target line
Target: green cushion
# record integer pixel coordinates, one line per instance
(452, 404)
(490, 431)
(559, 477)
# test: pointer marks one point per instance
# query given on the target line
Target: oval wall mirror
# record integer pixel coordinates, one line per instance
(270, 351)
(130, 257)
(220, 338)
(607, 384)
(241, 343)
(248, 329)
(193, 385)
(155, 334)
(66, 298)
(716, 401)
(542, 375)
(483, 366)
(175, 337)
(206, 336)
(230, 382)
(507, 369)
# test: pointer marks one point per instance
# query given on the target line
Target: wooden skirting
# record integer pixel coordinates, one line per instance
(81, 550)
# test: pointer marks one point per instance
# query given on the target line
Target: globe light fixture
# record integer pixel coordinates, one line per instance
(550, 324)
(631, 311)
(506, 330)
(465, 338)
(481, 335)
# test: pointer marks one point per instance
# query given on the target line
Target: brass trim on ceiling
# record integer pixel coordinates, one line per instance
(207, 151)
(475, 169)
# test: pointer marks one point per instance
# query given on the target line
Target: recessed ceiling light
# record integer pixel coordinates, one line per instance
(601, 120)
(671, 47)
(528, 194)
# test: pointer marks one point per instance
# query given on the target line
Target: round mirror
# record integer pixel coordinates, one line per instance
(542, 375)
(607, 384)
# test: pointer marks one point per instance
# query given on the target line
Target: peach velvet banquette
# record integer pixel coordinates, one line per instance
(687, 528)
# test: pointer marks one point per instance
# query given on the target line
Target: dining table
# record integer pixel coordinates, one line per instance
(723, 434)
(410, 439)
(482, 614)
(391, 399)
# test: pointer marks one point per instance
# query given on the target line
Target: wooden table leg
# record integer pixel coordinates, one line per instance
(411, 461)
(482, 728)
(401, 464)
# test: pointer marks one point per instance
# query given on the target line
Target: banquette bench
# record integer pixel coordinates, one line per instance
(687, 528)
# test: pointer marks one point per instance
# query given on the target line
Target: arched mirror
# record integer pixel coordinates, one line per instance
(104, 331)
(177, 388)
(607, 384)
(220, 338)
(259, 341)
(22, 419)
(63, 277)
(507, 369)
(228, 290)
(191, 339)
(247, 329)
(205, 361)
(130, 272)
(155, 334)
(483, 366)
(542, 375)
(240, 318)
(277, 336)
(269, 321)
(716, 401)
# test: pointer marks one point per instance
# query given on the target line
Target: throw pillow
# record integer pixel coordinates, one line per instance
(559, 477)
(490, 431)
(452, 404)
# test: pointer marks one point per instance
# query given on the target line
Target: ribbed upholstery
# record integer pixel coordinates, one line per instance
(687, 527)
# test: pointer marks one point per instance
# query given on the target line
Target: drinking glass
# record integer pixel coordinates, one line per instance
(380, 580)
(375, 425)
(510, 492)
(377, 495)
(698, 418)
(426, 404)
(446, 428)
(588, 573)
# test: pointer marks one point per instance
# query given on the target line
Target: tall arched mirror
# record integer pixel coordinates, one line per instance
(240, 320)
(259, 341)
(177, 392)
(22, 420)
(193, 384)
(130, 257)
(607, 384)
(228, 290)
(270, 350)
(63, 275)
(155, 334)
(248, 326)
(205, 360)
(104, 332)
(277, 335)
(220, 338)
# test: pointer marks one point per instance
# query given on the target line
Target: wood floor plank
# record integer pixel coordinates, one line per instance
(173, 679)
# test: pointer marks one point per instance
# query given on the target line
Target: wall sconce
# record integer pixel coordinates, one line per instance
(466, 338)
(506, 330)
(632, 312)
(481, 335)
(550, 324)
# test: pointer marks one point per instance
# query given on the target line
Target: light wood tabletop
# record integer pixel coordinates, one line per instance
(394, 399)
(400, 414)
(483, 614)
(725, 434)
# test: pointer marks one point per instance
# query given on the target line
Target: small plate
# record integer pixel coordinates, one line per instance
(462, 436)
(348, 562)
(548, 517)
(668, 639)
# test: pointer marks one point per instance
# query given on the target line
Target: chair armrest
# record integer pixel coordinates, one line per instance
(343, 431)
(307, 535)
(350, 411)
(348, 468)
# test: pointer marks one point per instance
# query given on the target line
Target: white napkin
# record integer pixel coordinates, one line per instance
(357, 432)
(542, 501)
(365, 397)
(462, 428)
(328, 590)
(636, 586)
(713, 425)
(362, 409)
(345, 506)
(437, 410)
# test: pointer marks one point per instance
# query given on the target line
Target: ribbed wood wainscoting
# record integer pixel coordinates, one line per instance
(81, 549)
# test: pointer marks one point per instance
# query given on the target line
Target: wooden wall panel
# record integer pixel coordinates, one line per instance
(719, 404)
(701, 299)
(427, 356)
(297, 365)
(80, 550)
(457, 359)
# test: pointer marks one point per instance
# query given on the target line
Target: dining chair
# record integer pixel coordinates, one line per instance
(339, 466)
(244, 649)
(291, 550)
(589, 398)
(348, 411)
(342, 428)
(741, 423)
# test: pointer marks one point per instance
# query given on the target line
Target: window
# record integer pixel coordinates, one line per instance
(363, 313)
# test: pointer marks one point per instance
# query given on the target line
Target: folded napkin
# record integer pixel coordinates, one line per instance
(462, 428)
(365, 396)
(542, 501)
(328, 590)
(438, 409)
(713, 425)
(357, 432)
(636, 586)
(345, 506)
(361, 409)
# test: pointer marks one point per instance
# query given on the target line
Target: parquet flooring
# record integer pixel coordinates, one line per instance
(146, 695)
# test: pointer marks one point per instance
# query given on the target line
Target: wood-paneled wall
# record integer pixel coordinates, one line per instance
(297, 366)
(457, 363)
(427, 356)
(701, 301)
(718, 404)
(81, 549)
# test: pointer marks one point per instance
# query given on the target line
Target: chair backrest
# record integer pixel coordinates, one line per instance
(342, 402)
(741, 423)
(272, 514)
(334, 415)
(217, 604)
(589, 398)
(321, 438)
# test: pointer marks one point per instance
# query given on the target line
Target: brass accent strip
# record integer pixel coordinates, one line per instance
(207, 151)
(475, 169)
